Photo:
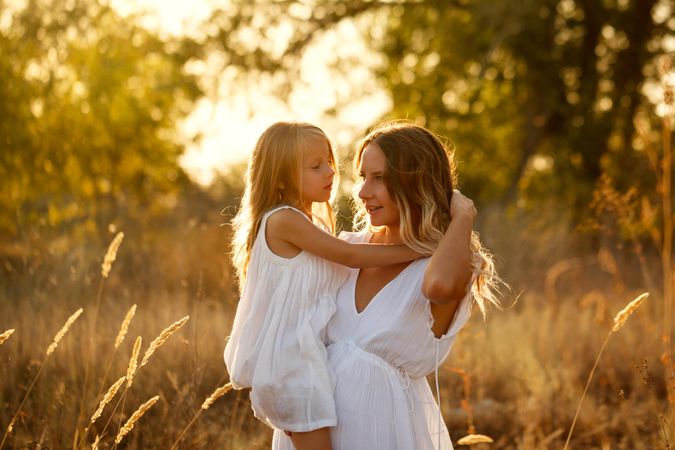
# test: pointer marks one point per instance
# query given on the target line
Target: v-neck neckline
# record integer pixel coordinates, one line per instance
(377, 294)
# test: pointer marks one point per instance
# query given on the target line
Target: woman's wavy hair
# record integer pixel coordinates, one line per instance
(420, 176)
(273, 178)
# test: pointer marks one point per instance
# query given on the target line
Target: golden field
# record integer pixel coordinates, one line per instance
(517, 377)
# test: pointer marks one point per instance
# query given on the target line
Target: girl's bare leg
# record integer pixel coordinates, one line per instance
(312, 440)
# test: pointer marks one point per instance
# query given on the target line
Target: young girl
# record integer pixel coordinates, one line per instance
(283, 248)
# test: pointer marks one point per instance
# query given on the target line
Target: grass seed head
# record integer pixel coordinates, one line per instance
(129, 425)
(473, 439)
(62, 332)
(11, 425)
(133, 361)
(224, 389)
(623, 315)
(163, 336)
(4, 336)
(107, 398)
(125, 326)
(111, 254)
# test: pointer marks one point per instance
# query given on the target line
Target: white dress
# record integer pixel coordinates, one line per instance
(381, 358)
(277, 345)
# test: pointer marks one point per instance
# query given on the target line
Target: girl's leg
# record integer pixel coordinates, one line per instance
(312, 440)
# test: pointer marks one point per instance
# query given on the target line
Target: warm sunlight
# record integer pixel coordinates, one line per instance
(497, 273)
(230, 125)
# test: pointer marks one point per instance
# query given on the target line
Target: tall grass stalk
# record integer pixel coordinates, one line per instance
(129, 425)
(666, 252)
(62, 332)
(124, 327)
(619, 321)
(215, 395)
(106, 267)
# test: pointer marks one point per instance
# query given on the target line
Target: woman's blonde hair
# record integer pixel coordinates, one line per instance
(420, 176)
(273, 178)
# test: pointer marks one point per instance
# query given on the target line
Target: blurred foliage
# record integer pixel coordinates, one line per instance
(539, 96)
(89, 103)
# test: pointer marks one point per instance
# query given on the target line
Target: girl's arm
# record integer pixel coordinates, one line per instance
(449, 271)
(293, 228)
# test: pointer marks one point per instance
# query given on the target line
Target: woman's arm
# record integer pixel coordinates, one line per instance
(293, 228)
(449, 271)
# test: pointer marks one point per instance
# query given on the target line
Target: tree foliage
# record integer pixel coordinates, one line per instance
(89, 103)
(539, 96)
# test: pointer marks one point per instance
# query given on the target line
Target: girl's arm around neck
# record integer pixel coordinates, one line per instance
(290, 227)
(448, 273)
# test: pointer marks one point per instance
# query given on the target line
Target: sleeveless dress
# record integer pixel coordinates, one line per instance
(381, 358)
(277, 344)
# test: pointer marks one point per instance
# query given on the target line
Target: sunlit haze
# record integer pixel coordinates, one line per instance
(230, 126)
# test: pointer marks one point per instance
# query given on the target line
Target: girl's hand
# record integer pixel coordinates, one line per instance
(462, 206)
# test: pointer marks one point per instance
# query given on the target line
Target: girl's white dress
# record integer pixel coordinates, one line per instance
(276, 346)
(381, 358)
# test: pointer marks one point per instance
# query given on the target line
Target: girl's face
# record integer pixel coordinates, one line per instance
(317, 172)
(374, 193)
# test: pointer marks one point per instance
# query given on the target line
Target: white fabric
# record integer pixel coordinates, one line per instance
(381, 357)
(276, 346)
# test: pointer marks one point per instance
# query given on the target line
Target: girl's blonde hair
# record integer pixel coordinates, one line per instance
(273, 178)
(420, 176)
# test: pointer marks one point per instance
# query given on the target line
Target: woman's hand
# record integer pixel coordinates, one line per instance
(462, 206)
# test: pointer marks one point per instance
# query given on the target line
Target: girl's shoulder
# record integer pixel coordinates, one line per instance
(284, 210)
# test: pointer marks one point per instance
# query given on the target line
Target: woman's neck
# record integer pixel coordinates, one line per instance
(387, 235)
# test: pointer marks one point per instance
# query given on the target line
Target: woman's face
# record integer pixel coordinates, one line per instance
(373, 192)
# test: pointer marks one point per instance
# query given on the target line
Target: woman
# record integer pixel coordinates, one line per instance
(394, 325)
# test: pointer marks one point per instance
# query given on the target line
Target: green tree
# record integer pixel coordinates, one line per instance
(89, 103)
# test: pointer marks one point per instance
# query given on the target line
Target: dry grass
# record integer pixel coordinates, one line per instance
(518, 378)
(62, 332)
(161, 339)
(135, 417)
(4, 336)
(106, 399)
(133, 361)
(124, 328)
